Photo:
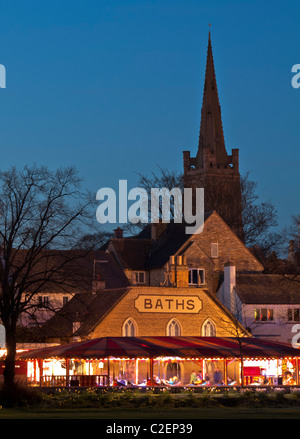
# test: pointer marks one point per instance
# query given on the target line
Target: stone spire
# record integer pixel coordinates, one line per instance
(212, 168)
(211, 147)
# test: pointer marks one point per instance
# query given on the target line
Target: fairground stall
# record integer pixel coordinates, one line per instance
(164, 361)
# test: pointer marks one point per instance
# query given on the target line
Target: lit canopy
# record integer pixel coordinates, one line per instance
(152, 347)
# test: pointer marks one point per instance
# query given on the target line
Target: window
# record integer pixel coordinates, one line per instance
(209, 329)
(173, 328)
(43, 301)
(214, 248)
(139, 277)
(263, 315)
(293, 315)
(129, 328)
(65, 300)
(196, 276)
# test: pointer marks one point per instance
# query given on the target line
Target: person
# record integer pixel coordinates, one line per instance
(199, 376)
(231, 381)
(288, 378)
(193, 378)
(173, 381)
(206, 381)
(217, 376)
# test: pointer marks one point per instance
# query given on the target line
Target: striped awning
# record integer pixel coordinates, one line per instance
(153, 347)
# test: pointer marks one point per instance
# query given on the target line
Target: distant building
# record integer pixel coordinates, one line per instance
(268, 305)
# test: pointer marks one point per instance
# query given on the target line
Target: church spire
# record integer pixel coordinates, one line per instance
(212, 168)
(211, 147)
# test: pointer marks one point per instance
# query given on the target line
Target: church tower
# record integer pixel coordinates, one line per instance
(212, 168)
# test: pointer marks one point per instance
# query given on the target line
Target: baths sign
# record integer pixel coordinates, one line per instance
(168, 304)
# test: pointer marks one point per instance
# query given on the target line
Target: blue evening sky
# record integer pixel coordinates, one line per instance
(115, 87)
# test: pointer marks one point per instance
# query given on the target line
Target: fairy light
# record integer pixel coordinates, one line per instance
(54, 365)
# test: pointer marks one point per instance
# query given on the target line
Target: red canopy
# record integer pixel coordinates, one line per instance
(151, 347)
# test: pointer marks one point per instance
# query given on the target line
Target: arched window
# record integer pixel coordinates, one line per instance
(129, 328)
(209, 328)
(173, 328)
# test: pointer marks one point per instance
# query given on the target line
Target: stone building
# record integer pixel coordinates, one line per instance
(170, 286)
(146, 257)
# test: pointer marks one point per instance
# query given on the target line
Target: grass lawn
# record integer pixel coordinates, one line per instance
(176, 414)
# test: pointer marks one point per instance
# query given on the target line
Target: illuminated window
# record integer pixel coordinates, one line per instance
(129, 328)
(209, 329)
(263, 315)
(173, 329)
(196, 276)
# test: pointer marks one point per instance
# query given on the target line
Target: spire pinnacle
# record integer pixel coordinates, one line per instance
(211, 137)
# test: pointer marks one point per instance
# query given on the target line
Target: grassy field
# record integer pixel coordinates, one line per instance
(175, 413)
(125, 405)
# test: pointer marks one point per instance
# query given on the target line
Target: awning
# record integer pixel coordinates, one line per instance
(153, 347)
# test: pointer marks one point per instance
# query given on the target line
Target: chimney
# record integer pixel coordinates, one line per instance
(179, 271)
(229, 285)
(97, 282)
(292, 253)
(118, 233)
(97, 285)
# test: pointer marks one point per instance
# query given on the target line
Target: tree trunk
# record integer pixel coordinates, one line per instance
(9, 370)
(242, 372)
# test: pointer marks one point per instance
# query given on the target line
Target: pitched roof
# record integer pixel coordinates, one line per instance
(87, 309)
(141, 252)
(108, 270)
(149, 347)
(268, 289)
(73, 271)
(172, 239)
(132, 253)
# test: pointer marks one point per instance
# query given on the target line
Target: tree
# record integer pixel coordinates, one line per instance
(234, 323)
(294, 229)
(258, 217)
(42, 214)
(162, 179)
(93, 241)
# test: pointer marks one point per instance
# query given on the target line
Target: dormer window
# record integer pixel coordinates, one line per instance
(139, 277)
(196, 276)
